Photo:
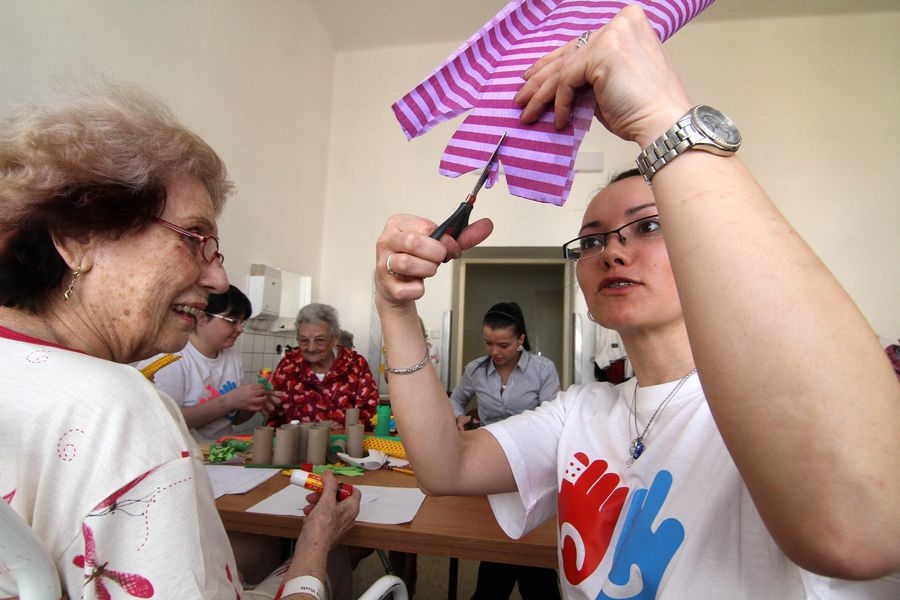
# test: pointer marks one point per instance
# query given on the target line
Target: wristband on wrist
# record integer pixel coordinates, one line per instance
(305, 584)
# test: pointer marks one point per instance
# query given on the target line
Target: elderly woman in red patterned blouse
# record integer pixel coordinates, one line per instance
(319, 378)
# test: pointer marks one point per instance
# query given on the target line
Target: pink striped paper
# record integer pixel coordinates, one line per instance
(484, 75)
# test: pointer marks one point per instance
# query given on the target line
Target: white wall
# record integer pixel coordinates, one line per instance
(320, 162)
(253, 79)
(816, 100)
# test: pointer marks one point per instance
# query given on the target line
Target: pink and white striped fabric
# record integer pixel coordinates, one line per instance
(484, 75)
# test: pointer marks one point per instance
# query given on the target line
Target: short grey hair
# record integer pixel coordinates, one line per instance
(319, 313)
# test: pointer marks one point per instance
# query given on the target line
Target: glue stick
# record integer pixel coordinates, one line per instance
(313, 482)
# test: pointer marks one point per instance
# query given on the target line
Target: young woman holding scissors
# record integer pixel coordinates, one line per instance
(728, 462)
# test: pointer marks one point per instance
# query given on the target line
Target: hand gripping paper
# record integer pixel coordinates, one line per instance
(484, 75)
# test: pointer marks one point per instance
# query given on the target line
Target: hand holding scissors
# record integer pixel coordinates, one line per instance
(459, 220)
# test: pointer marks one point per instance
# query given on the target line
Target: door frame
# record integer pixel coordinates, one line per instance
(511, 255)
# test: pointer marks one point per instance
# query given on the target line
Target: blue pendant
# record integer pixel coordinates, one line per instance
(637, 448)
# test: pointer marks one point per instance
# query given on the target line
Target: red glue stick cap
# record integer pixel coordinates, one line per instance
(313, 482)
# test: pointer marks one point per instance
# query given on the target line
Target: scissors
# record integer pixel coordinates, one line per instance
(459, 220)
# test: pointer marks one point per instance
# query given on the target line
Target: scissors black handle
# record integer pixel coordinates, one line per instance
(454, 225)
(459, 220)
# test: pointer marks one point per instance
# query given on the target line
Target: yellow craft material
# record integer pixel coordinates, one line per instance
(150, 370)
(390, 447)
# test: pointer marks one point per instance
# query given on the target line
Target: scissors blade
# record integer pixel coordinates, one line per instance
(487, 168)
(459, 220)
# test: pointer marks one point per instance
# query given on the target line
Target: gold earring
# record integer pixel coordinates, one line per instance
(71, 289)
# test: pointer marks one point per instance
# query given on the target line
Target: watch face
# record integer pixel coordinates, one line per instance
(717, 126)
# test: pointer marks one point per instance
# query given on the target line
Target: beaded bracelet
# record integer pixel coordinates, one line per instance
(306, 584)
(412, 369)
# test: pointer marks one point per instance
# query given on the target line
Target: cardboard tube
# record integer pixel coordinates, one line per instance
(303, 442)
(317, 447)
(355, 440)
(285, 451)
(262, 446)
(351, 417)
(295, 452)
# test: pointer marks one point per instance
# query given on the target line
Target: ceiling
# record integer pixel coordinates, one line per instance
(349, 23)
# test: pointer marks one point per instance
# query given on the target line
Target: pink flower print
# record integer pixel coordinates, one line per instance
(134, 584)
(237, 594)
(112, 501)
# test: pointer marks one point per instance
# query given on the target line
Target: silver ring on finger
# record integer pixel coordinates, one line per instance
(388, 265)
(582, 39)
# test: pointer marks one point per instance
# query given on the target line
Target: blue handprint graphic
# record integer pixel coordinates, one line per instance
(641, 554)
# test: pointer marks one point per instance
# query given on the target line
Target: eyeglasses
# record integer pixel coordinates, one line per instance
(316, 342)
(207, 246)
(645, 229)
(234, 322)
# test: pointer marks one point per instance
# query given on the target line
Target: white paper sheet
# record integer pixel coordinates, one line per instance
(233, 479)
(384, 505)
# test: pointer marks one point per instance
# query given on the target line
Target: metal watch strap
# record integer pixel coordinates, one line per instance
(678, 139)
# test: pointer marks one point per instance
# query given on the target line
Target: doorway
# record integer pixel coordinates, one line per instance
(536, 278)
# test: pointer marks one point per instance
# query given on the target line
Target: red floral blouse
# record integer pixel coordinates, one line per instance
(347, 383)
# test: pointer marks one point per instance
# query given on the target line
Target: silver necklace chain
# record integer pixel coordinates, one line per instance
(637, 444)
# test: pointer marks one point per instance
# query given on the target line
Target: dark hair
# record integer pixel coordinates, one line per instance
(507, 314)
(93, 164)
(233, 303)
(624, 174)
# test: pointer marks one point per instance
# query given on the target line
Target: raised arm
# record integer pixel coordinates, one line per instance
(446, 460)
(795, 379)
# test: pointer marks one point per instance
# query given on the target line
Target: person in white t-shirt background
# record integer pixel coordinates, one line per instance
(206, 381)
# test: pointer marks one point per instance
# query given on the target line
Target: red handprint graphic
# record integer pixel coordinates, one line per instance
(589, 507)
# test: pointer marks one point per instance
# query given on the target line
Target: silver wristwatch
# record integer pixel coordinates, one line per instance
(702, 128)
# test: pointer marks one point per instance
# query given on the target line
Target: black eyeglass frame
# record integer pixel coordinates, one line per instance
(602, 237)
(203, 240)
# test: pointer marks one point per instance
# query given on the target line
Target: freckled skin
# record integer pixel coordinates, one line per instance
(126, 298)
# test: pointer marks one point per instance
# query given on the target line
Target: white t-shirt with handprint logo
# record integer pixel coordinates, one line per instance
(677, 523)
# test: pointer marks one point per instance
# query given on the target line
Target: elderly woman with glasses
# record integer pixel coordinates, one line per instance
(108, 255)
(320, 379)
(206, 381)
(732, 463)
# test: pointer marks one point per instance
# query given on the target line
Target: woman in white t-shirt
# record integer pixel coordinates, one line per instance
(665, 487)
(206, 381)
